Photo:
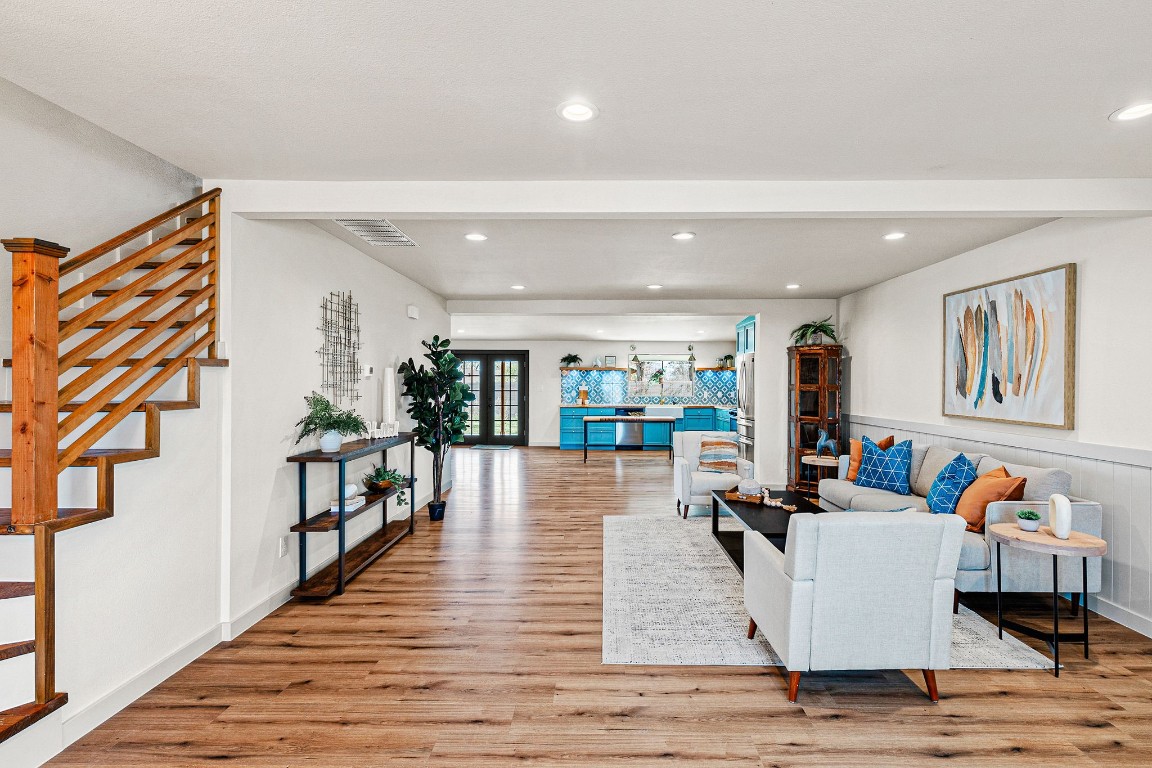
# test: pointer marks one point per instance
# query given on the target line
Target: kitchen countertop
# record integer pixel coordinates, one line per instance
(647, 405)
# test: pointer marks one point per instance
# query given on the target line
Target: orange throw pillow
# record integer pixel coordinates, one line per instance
(996, 485)
(856, 452)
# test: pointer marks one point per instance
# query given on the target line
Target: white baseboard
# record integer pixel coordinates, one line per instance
(1133, 621)
(543, 443)
(230, 630)
(77, 724)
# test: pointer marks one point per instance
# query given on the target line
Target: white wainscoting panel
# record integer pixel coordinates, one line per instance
(1119, 478)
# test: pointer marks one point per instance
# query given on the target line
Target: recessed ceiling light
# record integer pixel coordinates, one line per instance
(599, 330)
(577, 111)
(793, 286)
(895, 235)
(475, 236)
(1134, 112)
(683, 235)
(655, 287)
(517, 287)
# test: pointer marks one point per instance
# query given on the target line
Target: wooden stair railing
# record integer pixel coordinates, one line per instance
(152, 327)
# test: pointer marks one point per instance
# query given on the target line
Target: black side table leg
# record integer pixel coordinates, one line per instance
(1055, 615)
(585, 442)
(1084, 608)
(999, 594)
(715, 516)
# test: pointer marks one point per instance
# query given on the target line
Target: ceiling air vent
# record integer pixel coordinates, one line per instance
(376, 231)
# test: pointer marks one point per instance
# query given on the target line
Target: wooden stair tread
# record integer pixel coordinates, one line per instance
(88, 362)
(13, 589)
(106, 292)
(20, 648)
(324, 582)
(139, 325)
(328, 520)
(66, 517)
(163, 405)
(89, 457)
(14, 720)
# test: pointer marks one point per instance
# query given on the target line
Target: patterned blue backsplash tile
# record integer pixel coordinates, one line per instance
(712, 388)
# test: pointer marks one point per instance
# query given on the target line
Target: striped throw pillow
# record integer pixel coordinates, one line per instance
(718, 453)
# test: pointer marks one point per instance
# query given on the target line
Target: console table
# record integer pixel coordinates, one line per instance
(1078, 544)
(332, 578)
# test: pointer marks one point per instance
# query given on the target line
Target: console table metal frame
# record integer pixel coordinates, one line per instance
(632, 419)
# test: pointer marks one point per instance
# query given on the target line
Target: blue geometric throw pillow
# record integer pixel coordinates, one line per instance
(950, 485)
(885, 470)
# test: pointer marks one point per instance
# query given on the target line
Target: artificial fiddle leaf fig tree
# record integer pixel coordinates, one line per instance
(439, 405)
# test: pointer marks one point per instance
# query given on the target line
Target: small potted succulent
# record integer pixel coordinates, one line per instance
(571, 359)
(1028, 520)
(328, 421)
(380, 479)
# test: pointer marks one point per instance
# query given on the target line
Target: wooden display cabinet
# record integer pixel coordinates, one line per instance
(815, 374)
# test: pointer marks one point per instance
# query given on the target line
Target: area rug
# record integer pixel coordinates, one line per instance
(671, 597)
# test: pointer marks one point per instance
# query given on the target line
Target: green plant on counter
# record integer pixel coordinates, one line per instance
(571, 359)
(803, 334)
(323, 417)
(657, 377)
(381, 475)
(1028, 514)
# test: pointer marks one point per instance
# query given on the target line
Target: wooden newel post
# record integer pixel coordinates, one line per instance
(35, 379)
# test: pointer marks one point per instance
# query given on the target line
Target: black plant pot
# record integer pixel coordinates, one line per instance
(436, 510)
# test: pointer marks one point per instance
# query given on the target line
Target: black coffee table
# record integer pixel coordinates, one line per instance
(770, 521)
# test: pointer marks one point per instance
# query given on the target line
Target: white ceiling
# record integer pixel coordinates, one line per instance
(728, 89)
(618, 258)
(595, 327)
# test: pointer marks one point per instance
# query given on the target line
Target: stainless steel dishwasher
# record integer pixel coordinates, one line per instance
(629, 434)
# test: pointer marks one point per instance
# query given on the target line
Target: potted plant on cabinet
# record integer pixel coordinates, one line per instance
(814, 332)
(571, 359)
(380, 479)
(439, 406)
(330, 422)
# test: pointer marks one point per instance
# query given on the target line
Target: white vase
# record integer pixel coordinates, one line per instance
(1060, 516)
(1028, 525)
(330, 441)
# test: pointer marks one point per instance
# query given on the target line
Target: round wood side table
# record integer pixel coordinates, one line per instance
(1078, 544)
(821, 463)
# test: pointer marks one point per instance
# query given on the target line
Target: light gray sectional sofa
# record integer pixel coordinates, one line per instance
(1023, 571)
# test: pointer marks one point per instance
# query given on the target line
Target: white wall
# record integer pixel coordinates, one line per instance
(280, 272)
(894, 336)
(544, 370)
(141, 589)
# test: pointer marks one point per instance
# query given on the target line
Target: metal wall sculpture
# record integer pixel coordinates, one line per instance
(339, 355)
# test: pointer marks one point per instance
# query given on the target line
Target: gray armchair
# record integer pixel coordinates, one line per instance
(823, 605)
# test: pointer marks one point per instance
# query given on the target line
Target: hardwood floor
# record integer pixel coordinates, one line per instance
(477, 643)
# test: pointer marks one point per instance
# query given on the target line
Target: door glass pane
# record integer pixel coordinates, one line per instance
(472, 371)
(506, 398)
(833, 371)
(809, 369)
(833, 404)
(810, 403)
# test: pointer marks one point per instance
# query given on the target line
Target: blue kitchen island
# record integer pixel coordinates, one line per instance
(602, 436)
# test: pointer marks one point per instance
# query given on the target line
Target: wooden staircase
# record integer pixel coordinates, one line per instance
(139, 310)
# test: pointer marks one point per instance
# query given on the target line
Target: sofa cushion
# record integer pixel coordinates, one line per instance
(839, 492)
(856, 453)
(935, 459)
(1041, 484)
(885, 470)
(950, 484)
(884, 501)
(703, 483)
(974, 553)
(918, 454)
(992, 486)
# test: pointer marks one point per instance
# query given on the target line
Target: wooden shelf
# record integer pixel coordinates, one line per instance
(328, 520)
(325, 582)
(353, 450)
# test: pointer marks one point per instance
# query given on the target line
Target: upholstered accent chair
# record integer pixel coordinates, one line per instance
(824, 606)
(694, 486)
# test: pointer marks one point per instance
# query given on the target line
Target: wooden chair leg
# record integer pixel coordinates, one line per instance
(677, 506)
(955, 601)
(793, 686)
(930, 681)
(686, 506)
(751, 628)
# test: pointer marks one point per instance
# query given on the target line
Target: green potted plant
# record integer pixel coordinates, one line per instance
(1028, 520)
(380, 479)
(330, 422)
(439, 405)
(813, 333)
(571, 359)
(726, 362)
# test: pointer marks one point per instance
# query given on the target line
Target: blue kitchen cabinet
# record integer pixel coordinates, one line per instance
(746, 335)
(600, 436)
(723, 420)
(699, 419)
(657, 436)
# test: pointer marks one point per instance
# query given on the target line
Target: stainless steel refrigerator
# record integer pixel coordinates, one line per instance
(746, 404)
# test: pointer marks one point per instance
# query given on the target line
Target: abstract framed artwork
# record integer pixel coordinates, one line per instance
(1010, 350)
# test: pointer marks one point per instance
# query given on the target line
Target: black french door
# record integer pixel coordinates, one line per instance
(499, 414)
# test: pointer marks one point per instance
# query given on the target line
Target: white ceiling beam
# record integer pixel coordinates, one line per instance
(698, 199)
